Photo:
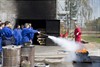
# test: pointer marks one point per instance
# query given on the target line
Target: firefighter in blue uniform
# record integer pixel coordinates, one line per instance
(22, 26)
(30, 26)
(17, 35)
(0, 42)
(7, 34)
(0, 38)
(27, 34)
(31, 35)
(1, 26)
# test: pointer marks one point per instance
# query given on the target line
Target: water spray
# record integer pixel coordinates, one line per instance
(71, 47)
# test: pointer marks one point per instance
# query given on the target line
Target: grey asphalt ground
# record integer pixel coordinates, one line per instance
(57, 52)
(93, 48)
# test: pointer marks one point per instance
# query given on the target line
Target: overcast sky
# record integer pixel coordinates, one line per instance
(95, 4)
(96, 8)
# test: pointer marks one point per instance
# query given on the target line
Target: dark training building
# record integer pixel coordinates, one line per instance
(41, 13)
(36, 9)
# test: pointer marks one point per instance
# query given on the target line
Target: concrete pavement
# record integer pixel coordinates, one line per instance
(53, 55)
(57, 52)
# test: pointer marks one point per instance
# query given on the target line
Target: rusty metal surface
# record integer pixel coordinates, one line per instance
(11, 57)
(28, 52)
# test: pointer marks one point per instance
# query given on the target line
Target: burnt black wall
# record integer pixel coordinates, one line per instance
(36, 9)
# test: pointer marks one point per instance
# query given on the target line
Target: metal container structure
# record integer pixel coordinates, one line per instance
(41, 14)
(27, 56)
(50, 27)
(11, 56)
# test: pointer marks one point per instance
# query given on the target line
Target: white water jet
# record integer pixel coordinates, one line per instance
(68, 45)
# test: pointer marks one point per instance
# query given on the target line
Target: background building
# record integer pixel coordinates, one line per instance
(41, 13)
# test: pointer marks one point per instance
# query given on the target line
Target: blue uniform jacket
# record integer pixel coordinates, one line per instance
(27, 34)
(7, 36)
(7, 32)
(18, 36)
(0, 40)
(31, 35)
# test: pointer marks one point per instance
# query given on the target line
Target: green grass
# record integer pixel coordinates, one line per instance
(91, 39)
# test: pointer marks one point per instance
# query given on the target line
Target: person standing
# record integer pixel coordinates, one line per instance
(31, 35)
(0, 42)
(77, 33)
(27, 34)
(7, 34)
(17, 35)
(0, 37)
(30, 26)
(1, 26)
(22, 26)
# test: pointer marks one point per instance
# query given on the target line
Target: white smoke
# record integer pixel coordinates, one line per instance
(68, 45)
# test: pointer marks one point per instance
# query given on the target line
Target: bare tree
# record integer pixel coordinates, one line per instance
(85, 9)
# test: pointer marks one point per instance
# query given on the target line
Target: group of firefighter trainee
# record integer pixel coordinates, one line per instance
(17, 36)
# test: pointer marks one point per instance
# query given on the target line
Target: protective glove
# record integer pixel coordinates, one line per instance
(39, 32)
(77, 33)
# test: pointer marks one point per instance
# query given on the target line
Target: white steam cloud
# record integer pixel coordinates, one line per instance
(68, 45)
